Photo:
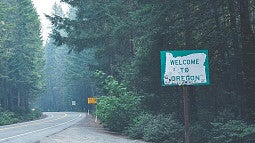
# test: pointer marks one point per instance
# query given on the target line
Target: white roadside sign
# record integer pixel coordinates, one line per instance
(187, 67)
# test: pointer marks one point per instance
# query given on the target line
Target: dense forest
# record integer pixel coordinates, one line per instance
(21, 59)
(127, 37)
(111, 50)
(67, 75)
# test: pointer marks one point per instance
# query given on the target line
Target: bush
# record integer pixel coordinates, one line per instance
(27, 115)
(140, 123)
(33, 114)
(116, 110)
(7, 118)
(199, 132)
(232, 131)
(160, 128)
(116, 113)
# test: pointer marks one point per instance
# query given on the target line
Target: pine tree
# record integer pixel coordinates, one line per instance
(25, 63)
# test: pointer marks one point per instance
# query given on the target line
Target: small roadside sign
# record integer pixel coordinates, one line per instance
(92, 100)
(73, 103)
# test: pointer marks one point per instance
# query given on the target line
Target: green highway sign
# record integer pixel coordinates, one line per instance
(184, 67)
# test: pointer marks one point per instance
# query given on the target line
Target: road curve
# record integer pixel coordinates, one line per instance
(34, 131)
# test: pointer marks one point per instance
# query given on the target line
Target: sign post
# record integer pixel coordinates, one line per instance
(93, 100)
(186, 113)
(73, 105)
(183, 68)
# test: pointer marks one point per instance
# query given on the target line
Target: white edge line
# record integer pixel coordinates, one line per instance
(25, 123)
(40, 129)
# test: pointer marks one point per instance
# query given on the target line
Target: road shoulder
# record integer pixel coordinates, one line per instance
(87, 131)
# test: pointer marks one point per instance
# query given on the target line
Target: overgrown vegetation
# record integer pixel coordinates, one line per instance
(21, 59)
(116, 110)
(231, 131)
(7, 117)
(126, 38)
(159, 128)
(116, 113)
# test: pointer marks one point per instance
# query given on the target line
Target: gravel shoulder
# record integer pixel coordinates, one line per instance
(87, 131)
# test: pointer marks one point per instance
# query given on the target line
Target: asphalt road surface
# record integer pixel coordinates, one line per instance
(34, 131)
(87, 131)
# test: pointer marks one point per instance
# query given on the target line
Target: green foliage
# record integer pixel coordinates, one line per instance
(111, 87)
(116, 110)
(231, 131)
(157, 128)
(114, 88)
(116, 113)
(68, 79)
(199, 132)
(21, 55)
(128, 35)
(140, 123)
(24, 115)
(34, 114)
(164, 129)
(67, 75)
(7, 118)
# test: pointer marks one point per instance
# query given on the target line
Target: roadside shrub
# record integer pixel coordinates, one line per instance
(164, 129)
(199, 132)
(33, 114)
(159, 128)
(225, 128)
(140, 123)
(116, 113)
(7, 118)
(232, 131)
(116, 110)
(27, 115)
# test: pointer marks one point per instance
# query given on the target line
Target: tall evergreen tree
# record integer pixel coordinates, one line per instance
(25, 61)
(67, 74)
(115, 28)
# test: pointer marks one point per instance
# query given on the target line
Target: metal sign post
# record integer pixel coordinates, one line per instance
(73, 105)
(186, 113)
(93, 100)
(183, 68)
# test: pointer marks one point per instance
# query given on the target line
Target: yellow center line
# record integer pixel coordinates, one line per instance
(13, 127)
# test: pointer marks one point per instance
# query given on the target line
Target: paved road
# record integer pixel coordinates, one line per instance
(87, 131)
(34, 131)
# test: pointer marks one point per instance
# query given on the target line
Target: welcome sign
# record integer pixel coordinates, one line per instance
(186, 67)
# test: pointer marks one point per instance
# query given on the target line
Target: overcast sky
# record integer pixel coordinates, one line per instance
(45, 7)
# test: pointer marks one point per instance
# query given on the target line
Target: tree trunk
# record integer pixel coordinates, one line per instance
(218, 51)
(235, 62)
(248, 56)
